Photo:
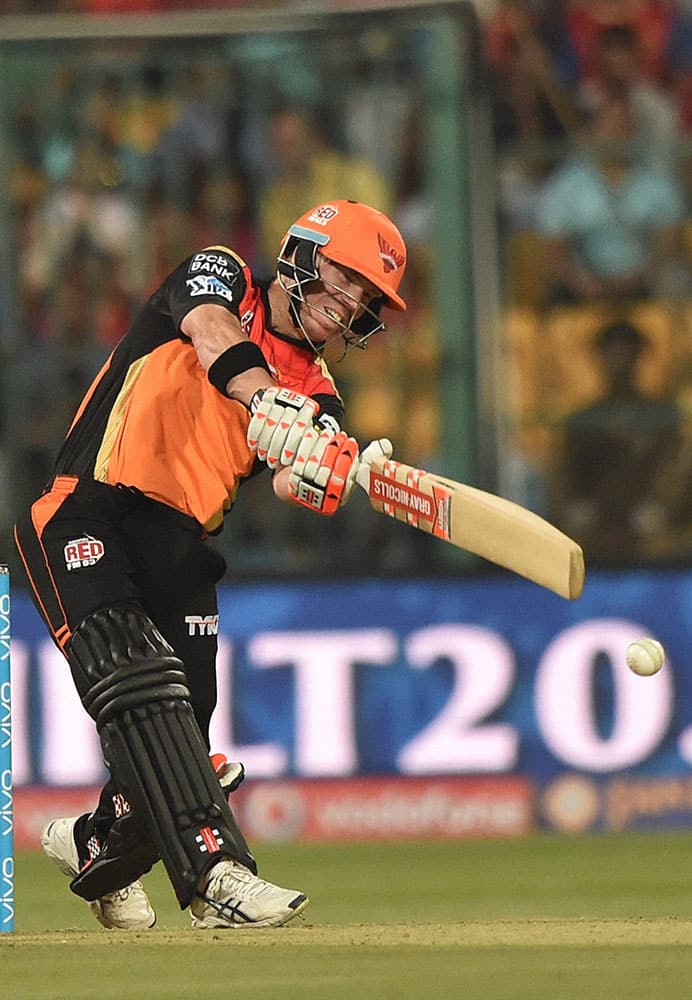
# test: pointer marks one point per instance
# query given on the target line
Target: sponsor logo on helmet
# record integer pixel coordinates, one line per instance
(323, 214)
(392, 260)
(82, 552)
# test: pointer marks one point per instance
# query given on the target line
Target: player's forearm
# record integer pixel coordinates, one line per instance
(215, 334)
(212, 330)
(244, 386)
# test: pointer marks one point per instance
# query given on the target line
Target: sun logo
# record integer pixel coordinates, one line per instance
(391, 258)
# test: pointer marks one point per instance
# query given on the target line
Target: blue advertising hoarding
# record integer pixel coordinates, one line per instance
(458, 676)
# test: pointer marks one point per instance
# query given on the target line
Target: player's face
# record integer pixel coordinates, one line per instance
(334, 302)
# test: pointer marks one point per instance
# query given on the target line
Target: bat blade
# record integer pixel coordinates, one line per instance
(487, 525)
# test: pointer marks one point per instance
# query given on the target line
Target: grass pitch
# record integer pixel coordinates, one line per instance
(546, 918)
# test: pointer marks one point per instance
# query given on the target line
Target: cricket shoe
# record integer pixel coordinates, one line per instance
(234, 897)
(125, 909)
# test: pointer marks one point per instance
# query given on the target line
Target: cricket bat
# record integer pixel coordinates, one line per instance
(499, 530)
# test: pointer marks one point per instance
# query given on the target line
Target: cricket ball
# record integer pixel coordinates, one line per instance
(645, 657)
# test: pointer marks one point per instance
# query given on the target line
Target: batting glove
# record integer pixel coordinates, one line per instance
(280, 420)
(323, 472)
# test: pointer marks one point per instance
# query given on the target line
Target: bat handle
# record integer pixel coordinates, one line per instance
(381, 449)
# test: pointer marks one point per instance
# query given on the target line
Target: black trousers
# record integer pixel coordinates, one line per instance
(87, 546)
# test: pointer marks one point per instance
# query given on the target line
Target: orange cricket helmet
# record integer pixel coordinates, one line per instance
(358, 237)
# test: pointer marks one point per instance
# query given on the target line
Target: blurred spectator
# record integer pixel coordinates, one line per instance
(61, 108)
(375, 96)
(656, 23)
(534, 114)
(310, 170)
(222, 212)
(619, 73)
(106, 109)
(530, 100)
(54, 371)
(168, 235)
(152, 110)
(92, 208)
(28, 180)
(616, 455)
(613, 227)
(191, 145)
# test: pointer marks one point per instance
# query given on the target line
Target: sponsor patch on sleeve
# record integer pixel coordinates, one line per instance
(216, 265)
(205, 284)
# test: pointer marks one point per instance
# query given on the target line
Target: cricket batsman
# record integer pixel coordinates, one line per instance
(220, 375)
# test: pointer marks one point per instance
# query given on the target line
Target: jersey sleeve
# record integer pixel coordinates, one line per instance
(214, 275)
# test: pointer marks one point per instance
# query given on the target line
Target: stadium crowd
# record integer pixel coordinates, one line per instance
(120, 169)
(592, 122)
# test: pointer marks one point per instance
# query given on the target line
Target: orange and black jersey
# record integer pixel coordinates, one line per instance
(152, 420)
